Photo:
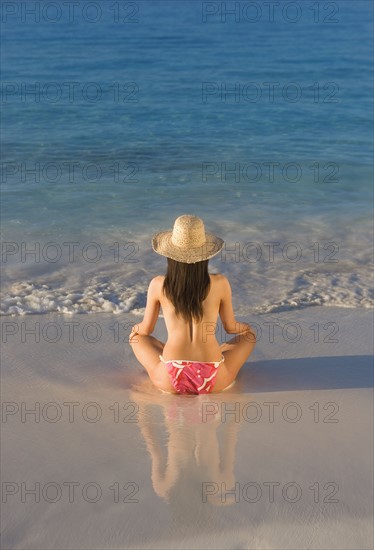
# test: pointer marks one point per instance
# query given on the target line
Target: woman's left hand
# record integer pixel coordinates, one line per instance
(134, 331)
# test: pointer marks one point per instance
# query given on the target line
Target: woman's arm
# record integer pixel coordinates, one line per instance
(226, 312)
(152, 309)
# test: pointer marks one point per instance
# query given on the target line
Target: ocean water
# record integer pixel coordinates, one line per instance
(122, 116)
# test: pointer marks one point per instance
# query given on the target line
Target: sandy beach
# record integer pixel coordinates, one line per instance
(117, 118)
(94, 457)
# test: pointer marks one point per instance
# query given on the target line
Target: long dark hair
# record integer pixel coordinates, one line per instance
(187, 286)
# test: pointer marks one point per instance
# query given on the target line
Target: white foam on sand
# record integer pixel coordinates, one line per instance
(102, 294)
(270, 270)
(281, 460)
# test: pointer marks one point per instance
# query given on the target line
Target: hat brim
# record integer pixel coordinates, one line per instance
(162, 244)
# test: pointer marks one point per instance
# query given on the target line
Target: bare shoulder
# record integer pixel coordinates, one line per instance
(158, 280)
(155, 287)
(218, 277)
(221, 281)
(156, 283)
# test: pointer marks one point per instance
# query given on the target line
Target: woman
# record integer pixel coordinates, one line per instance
(191, 361)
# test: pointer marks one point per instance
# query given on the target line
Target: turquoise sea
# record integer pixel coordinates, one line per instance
(117, 117)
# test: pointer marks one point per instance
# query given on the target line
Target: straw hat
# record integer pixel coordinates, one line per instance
(187, 242)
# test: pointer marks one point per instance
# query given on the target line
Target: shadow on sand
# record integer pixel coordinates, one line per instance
(307, 373)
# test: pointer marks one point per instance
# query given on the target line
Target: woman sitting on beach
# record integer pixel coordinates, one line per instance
(191, 361)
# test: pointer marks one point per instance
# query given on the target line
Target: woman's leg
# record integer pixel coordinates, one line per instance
(236, 351)
(147, 350)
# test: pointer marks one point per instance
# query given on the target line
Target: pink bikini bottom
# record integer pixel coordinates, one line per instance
(193, 377)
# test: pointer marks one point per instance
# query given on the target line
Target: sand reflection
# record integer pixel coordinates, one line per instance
(191, 440)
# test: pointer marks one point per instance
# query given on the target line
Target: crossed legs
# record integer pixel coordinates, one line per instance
(147, 350)
(236, 351)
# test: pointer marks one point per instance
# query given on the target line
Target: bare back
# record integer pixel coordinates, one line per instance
(204, 345)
